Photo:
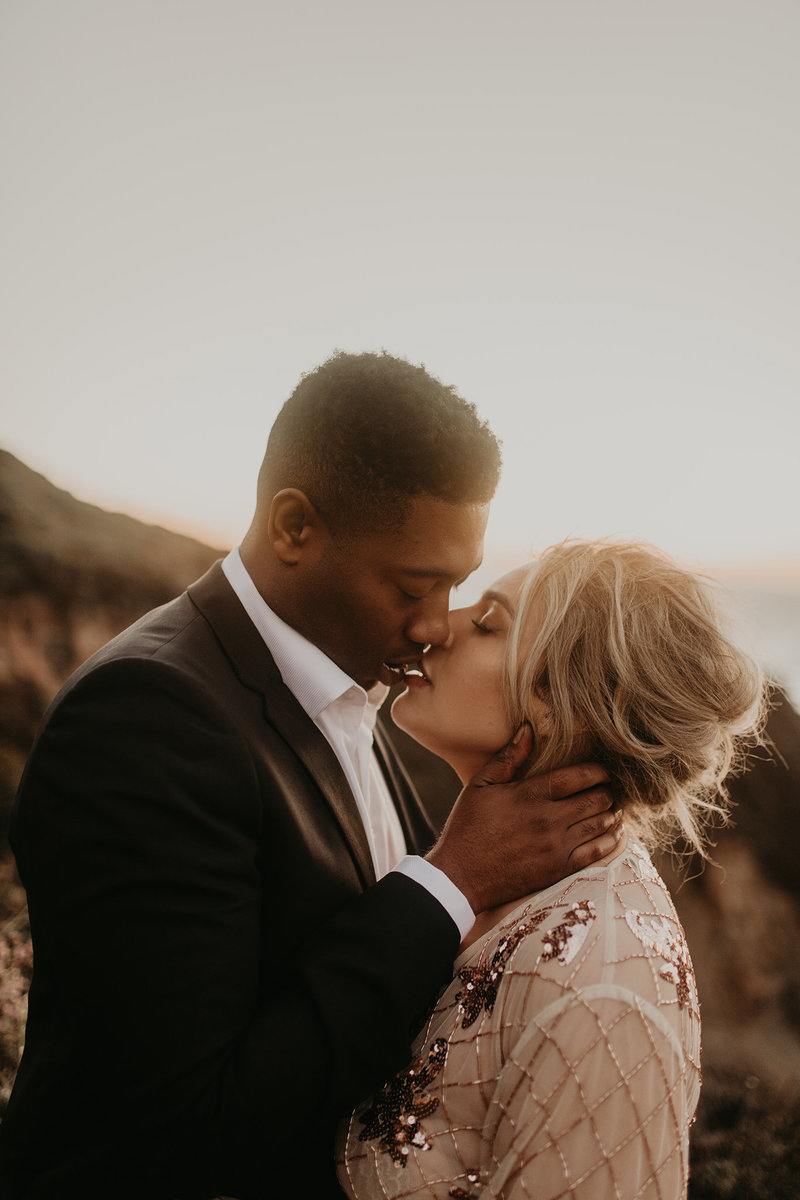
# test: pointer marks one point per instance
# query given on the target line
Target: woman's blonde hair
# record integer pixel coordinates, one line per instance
(629, 654)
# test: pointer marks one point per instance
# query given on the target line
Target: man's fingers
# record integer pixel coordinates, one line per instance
(595, 825)
(590, 852)
(569, 781)
(590, 803)
(570, 810)
(501, 767)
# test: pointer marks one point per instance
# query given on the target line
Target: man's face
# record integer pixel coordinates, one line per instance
(373, 601)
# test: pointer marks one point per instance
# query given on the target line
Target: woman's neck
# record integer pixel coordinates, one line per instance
(486, 921)
(491, 917)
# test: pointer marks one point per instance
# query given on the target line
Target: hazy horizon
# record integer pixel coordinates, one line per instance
(777, 573)
(764, 605)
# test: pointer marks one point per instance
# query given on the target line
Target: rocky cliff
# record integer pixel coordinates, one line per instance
(72, 575)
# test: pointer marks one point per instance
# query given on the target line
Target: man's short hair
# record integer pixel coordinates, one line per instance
(363, 435)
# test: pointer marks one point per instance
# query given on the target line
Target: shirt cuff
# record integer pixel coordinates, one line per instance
(441, 887)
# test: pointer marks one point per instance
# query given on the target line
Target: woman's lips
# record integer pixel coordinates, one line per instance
(414, 676)
(411, 674)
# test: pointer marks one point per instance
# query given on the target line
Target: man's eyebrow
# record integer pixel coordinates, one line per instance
(426, 572)
(436, 573)
(501, 599)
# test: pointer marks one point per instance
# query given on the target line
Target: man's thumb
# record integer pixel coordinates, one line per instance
(501, 767)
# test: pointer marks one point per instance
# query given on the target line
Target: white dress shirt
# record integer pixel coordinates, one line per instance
(346, 714)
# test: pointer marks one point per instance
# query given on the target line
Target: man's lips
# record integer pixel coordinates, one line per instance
(412, 674)
(390, 675)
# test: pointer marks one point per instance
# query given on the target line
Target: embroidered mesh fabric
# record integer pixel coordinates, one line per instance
(564, 1058)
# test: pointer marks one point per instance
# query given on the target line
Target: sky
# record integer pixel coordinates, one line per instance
(583, 215)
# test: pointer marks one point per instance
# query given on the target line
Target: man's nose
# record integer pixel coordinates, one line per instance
(431, 625)
(459, 621)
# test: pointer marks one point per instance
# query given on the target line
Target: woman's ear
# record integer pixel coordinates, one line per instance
(294, 526)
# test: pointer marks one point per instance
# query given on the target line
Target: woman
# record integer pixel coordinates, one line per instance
(564, 1057)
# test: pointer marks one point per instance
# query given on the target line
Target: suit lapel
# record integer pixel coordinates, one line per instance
(418, 829)
(314, 750)
(256, 669)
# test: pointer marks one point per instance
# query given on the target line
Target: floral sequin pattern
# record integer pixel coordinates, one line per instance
(564, 940)
(460, 1193)
(644, 865)
(479, 992)
(667, 941)
(395, 1116)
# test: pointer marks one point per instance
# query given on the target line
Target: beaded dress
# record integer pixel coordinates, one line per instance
(563, 1060)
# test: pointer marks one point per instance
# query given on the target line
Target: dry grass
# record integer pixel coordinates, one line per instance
(746, 1141)
(16, 962)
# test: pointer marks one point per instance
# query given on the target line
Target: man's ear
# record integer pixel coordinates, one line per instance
(295, 526)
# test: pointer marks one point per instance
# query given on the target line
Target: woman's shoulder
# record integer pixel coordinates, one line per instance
(612, 927)
(566, 912)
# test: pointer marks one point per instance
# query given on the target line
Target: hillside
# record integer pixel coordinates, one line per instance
(71, 576)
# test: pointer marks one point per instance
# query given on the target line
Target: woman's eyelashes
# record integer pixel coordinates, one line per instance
(491, 619)
(487, 622)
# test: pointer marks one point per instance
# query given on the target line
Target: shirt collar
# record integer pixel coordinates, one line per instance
(313, 678)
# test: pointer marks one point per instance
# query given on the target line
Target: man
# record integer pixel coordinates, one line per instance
(225, 958)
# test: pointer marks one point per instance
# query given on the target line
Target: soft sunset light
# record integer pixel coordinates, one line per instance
(583, 217)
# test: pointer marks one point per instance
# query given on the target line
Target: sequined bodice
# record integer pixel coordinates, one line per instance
(561, 1061)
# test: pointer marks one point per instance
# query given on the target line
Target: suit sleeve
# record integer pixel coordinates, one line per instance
(138, 834)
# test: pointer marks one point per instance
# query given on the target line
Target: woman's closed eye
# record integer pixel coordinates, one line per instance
(493, 615)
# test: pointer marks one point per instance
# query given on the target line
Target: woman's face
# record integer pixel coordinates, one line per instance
(455, 707)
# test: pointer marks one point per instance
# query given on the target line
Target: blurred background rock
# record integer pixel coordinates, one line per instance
(73, 575)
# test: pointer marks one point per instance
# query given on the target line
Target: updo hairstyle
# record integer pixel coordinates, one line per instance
(629, 655)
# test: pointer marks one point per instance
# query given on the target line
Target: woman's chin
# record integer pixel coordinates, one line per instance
(418, 725)
(403, 715)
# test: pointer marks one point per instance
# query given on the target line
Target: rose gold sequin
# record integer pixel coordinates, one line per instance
(481, 983)
(460, 1193)
(668, 942)
(395, 1117)
(565, 940)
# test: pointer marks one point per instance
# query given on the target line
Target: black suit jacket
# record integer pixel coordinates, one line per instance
(217, 976)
